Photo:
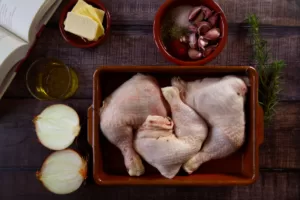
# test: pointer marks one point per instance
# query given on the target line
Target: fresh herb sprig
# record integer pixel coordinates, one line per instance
(269, 73)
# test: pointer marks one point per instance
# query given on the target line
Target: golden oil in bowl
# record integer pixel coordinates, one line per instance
(50, 79)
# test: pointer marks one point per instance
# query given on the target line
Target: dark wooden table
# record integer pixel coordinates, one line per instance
(131, 43)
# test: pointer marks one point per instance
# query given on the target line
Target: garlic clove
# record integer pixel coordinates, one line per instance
(193, 29)
(203, 27)
(206, 11)
(63, 172)
(194, 54)
(199, 18)
(194, 13)
(212, 34)
(213, 19)
(193, 40)
(57, 126)
(208, 50)
(202, 43)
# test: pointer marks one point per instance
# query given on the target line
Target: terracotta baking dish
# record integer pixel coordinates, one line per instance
(241, 168)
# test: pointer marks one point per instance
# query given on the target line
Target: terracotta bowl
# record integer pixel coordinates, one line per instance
(240, 168)
(78, 41)
(171, 4)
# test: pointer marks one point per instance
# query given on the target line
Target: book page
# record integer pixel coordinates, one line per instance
(12, 50)
(18, 15)
(42, 17)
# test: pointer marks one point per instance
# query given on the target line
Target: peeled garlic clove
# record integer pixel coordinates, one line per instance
(199, 18)
(192, 29)
(193, 40)
(194, 54)
(57, 126)
(63, 172)
(184, 39)
(212, 34)
(206, 11)
(213, 19)
(202, 43)
(203, 27)
(208, 50)
(194, 13)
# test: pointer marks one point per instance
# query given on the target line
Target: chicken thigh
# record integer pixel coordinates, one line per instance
(220, 101)
(160, 147)
(125, 110)
(188, 125)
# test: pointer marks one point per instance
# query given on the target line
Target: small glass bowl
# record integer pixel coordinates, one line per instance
(51, 79)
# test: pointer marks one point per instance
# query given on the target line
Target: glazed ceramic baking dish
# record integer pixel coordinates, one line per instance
(241, 168)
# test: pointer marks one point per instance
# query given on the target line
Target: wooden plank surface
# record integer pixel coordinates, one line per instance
(131, 43)
(273, 186)
(136, 47)
(275, 12)
(19, 147)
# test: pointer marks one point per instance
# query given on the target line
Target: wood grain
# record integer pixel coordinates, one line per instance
(131, 43)
(275, 12)
(19, 146)
(136, 47)
(275, 186)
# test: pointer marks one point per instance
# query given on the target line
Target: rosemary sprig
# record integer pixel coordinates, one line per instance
(269, 73)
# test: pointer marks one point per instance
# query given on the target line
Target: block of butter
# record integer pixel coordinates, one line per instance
(83, 26)
(83, 8)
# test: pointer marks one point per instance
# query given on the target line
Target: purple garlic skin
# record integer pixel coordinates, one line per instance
(213, 19)
(199, 18)
(212, 34)
(193, 29)
(194, 13)
(203, 27)
(194, 54)
(209, 50)
(206, 11)
(202, 43)
(193, 40)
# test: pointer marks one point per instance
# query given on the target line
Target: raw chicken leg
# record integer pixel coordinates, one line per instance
(221, 103)
(157, 144)
(125, 111)
(189, 125)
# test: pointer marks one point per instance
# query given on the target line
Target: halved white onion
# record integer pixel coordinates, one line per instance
(57, 126)
(63, 172)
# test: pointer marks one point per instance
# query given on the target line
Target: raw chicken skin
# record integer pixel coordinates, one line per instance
(156, 141)
(125, 111)
(187, 122)
(220, 101)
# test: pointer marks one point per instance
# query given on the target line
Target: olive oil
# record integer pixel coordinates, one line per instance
(49, 79)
